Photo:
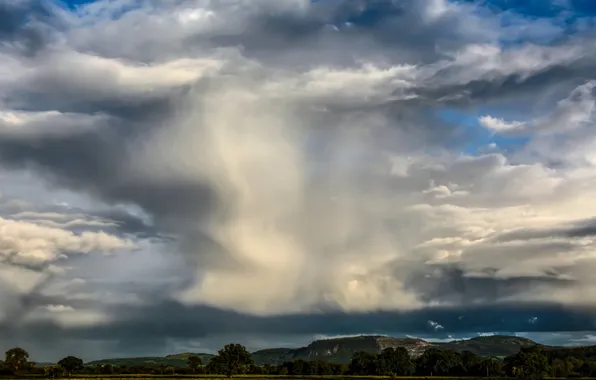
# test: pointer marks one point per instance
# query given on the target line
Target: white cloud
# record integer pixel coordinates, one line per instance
(435, 325)
(445, 191)
(66, 316)
(29, 243)
(292, 187)
(59, 308)
(500, 125)
(47, 123)
(574, 112)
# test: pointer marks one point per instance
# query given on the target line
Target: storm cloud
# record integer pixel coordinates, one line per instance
(175, 174)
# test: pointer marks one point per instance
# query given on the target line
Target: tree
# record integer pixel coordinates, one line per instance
(363, 363)
(162, 367)
(395, 361)
(283, 371)
(489, 367)
(469, 362)
(215, 365)
(30, 366)
(437, 362)
(562, 368)
(322, 368)
(106, 369)
(16, 359)
(4, 369)
(71, 364)
(255, 370)
(53, 371)
(232, 359)
(298, 367)
(588, 369)
(529, 363)
(194, 363)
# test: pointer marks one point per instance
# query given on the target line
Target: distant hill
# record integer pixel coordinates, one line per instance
(43, 364)
(184, 356)
(274, 356)
(341, 350)
(489, 345)
(177, 360)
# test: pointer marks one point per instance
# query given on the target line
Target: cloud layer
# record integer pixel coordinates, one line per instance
(257, 167)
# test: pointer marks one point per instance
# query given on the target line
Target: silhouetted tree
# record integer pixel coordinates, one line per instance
(71, 364)
(106, 369)
(5, 369)
(194, 363)
(488, 367)
(437, 362)
(395, 361)
(363, 363)
(529, 363)
(53, 371)
(231, 360)
(16, 359)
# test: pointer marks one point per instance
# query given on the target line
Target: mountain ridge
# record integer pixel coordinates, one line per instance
(341, 350)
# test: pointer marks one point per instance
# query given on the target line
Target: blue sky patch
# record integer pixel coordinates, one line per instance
(74, 3)
(475, 138)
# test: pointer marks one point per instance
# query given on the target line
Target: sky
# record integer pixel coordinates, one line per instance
(176, 175)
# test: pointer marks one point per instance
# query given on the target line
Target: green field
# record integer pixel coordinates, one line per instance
(115, 377)
(268, 377)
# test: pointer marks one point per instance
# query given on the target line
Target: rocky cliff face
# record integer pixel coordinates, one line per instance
(414, 346)
(341, 350)
(346, 347)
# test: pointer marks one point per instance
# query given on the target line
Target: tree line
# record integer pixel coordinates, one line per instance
(531, 362)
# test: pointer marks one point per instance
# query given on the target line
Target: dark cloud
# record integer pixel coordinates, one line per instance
(29, 26)
(452, 284)
(343, 32)
(91, 162)
(508, 87)
(580, 229)
(131, 224)
(55, 90)
(229, 183)
(154, 326)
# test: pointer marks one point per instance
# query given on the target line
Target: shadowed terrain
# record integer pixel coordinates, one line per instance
(341, 350)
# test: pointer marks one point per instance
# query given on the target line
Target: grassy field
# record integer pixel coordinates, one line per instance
(256, 377)
(252, 377)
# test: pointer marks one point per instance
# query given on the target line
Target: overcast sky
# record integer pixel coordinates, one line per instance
(180, 174)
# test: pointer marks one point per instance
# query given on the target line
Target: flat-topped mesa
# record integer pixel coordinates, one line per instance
(415, 346)
(346, 347)
(341, 350)
(495, 345)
